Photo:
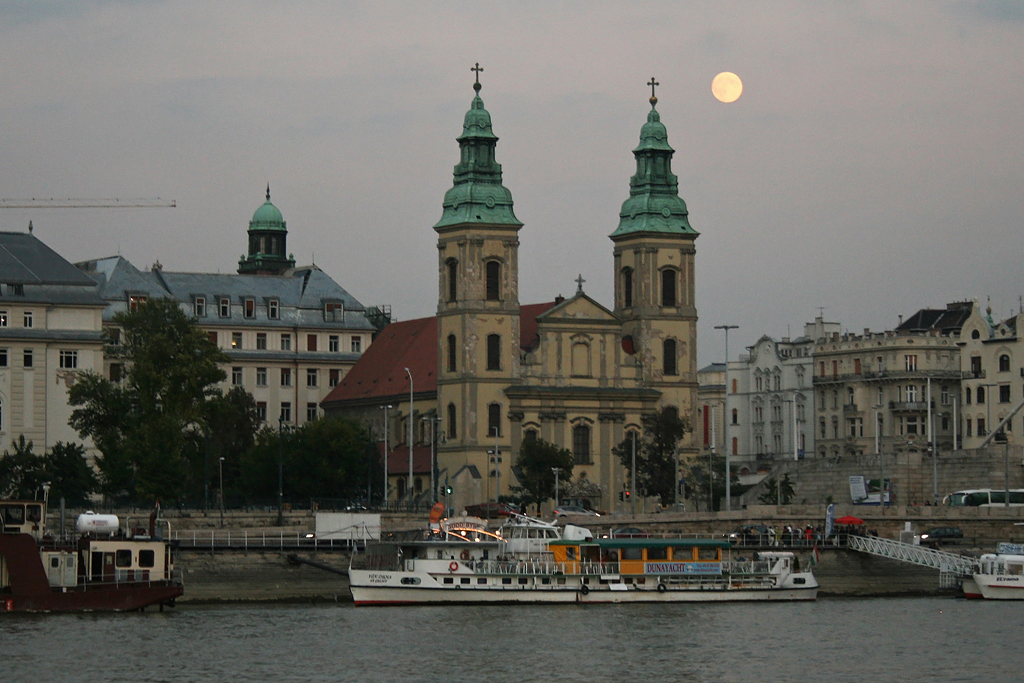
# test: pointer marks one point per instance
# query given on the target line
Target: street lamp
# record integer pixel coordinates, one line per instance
(221, 467)
(384, 497)
(433, 420)
(632, 479)
(728, 483)
(280, 469)
(878, 452)
(409, 487)
(555, 470)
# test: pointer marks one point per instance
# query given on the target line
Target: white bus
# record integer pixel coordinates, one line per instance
(984, 498)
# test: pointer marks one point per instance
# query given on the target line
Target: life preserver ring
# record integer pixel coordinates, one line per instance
(584, 589)
(453, 567)
(464, 555)
(662, 588)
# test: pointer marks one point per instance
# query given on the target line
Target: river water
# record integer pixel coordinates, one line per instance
(834, 640)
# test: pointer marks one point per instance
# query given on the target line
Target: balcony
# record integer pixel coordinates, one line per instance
(910, 406)
(896, 375)
(850, 409)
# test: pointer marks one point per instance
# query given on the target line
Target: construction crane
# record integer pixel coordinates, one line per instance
(51, 203)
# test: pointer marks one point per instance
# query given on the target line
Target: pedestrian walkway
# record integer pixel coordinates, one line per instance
(950, 565)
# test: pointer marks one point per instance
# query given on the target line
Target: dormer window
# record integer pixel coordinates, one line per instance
(16, 290)
(136, 300)
(199, 306)
(224, 307)
(3, 318)
(249, 306)
(334, 311)
(273, 309)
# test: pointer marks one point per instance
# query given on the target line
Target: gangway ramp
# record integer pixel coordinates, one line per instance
(950, 565)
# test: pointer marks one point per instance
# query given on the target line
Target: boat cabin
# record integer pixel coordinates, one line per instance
(22, 517)
(1007, 565)
(641, 556)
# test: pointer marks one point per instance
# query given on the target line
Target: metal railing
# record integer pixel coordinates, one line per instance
(946, 563)
(228, 539)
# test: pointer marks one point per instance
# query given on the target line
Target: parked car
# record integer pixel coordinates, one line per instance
(627, 532)
(752, 533)
(941, 534)
(564, 510)
(492, 510)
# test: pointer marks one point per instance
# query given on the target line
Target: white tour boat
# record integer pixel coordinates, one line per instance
(460, 560)
(998, 576)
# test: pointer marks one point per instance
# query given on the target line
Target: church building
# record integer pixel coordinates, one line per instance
(488, 372)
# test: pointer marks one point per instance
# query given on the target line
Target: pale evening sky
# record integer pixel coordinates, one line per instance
(873, 165)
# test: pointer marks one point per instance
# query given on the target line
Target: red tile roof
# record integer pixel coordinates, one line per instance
(380, 372)
(398, 459)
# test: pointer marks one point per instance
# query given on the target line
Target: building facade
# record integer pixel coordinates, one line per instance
(50, 332)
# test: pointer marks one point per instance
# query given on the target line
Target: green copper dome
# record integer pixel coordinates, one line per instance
(477, 195)
(268, 239)
(267, 217)
(654, 204)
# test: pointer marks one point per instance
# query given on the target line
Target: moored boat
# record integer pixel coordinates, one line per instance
(999, 576)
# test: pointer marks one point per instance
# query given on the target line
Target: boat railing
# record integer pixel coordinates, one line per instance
(127, 577)
(747, 567)
(245, 539)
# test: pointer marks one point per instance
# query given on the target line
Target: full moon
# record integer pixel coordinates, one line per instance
(727, 87)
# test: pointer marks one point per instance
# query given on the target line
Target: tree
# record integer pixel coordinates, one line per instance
(655, 454)
(69, 473)
(22, 472)
(537, 460)
(231, 427)
(149, 429)
(776, 492)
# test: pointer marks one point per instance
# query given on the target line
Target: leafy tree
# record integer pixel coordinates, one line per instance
(776, 492)
(22, 472)
(149, 428)
(655, 454)
(69, 473)
(232, 425)
(536, 461)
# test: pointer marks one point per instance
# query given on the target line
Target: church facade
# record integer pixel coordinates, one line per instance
(572, 372)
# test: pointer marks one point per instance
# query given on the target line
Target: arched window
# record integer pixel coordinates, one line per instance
(452, 430)
(493, 281)
(400, 487)
(735, 446)
(735, 416)
(530, 436)
(1004, 363)
(980, 396)
(975, 334)
(453, 280)
(849, 396)
(668, 287)
(581, 445)
(669, 359)
(494, 352)
(418, 484)
(627, 287)
(494, 420)
(967, 395)
(452, 353)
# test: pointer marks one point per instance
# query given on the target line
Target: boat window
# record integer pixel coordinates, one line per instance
(13, 514)
(799, 581)
(481, 581)
(657, 554)
(570, 553)
(449, 579)
(1015, 569)
(632, 553)
(550, 533)
(410, 580)
(707, 554)
(682, 553)
(506, 581)
(522, 581)
(55, 562)
(464, 581)
(123, 558)
(147, 558)
(35, 513)
(546, 581)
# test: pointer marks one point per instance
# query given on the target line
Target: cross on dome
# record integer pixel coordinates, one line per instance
(653, 83)
(477, 69)
(579, 283)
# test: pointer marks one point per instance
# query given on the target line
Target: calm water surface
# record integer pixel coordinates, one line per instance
(938, 639)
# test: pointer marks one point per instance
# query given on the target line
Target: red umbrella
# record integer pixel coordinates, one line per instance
(849, 519)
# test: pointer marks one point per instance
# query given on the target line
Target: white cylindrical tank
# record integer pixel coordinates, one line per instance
(92, 523)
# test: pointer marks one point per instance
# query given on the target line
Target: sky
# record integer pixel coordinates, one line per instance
(872, 167)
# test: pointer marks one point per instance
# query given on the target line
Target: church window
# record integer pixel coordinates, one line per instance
(668, 287)
(975, 334)
(224, 307)
(273, 309)
(735, 446)
(357, 344)
(334, 343)
(580, 360)
(493, 281)
(581, 445)
(494, 419)
(452, 431)
(453, 280)
(250, 308)
(735, 386)
(530, 436)
(627, 287)
(1004, 363)
(199, 306)
(452, 351)
(494, 352)
(669, 361)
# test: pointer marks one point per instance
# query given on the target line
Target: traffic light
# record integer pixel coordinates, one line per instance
(448, 490)
(627, 495)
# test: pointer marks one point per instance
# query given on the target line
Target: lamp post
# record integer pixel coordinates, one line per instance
(728, 483)
(384, 496)
(409, 487)
(632, 479)
(497, 470)
(555, 470)
(433, 420)
(221, 490)
(280, 469)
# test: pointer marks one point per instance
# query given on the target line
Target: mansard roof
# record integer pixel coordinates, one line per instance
(947, 320)
(31, 272)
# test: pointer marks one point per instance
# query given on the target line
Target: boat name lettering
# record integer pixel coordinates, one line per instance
(683, 568)
(1008, 579)
(379, 578)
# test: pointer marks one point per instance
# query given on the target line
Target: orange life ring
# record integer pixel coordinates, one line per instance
(464, 555)
(453, 567)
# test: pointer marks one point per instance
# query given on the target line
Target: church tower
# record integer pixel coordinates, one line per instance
(654, 276)
(478, 306)
(268, 236)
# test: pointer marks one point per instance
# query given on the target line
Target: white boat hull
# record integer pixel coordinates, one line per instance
(1000, 586)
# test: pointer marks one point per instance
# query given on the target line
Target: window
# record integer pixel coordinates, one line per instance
(286, 412)
(453, 280)
(1004, 363)
(735, 416)
(334, 311)
(236, 376)
(273, 309)
(856, 366)
(69, 360)
(333, 343)
(286, 342)
(835, 399)
(668, 287)
(224, 307)
(27, 318)
(261, 411)
(312, 377)
(311, 412)
(822, 428)
(494, 352)
(115, 373)
(669, 361)
(856, 426)
(333, 377)
(249, 308)
(1004, 393)
(911, 393)
(943, 396)
(3, 318)
(494, 419)
(821, 400)
(980, 395)
(757, 382)
(357, 344)
(286, 377)
(311, 342)
(261, 377)
(213, 337)
(3, 358)
(26, 358)
(133, 303)
(967, 396)
(822, 366)
(627, 287)
(123, 558)
(493, 281)
(199, 306)
(261, 341)
(735, 446)
(452, 352)
(911, 424)
(881, 396)
(849, 396)
(147, 558)
(976, 370)
(452, 431)
(735, 386)
(911, 363)
(879, 364)
(581, 445)
(236, 340)
(530, 436)
(835, 368)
